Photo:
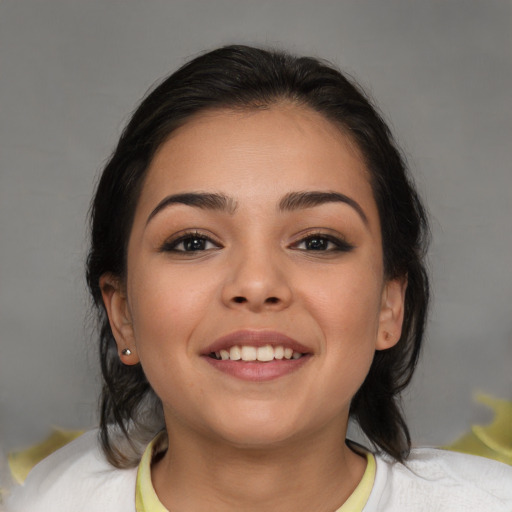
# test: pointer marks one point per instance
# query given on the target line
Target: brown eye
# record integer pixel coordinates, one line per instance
(190, 243)
(194, 244)
(317, 243)
(323, 243)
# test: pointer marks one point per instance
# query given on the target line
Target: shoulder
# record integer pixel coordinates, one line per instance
(437, 480)
(74, 479)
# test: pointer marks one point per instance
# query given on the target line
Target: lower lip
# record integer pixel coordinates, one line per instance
(258, 371)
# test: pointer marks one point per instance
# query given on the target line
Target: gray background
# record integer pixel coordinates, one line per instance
(70, 73)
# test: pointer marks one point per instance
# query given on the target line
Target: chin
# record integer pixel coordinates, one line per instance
(257, 430)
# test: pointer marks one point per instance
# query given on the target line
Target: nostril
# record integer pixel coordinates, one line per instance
(239, 299)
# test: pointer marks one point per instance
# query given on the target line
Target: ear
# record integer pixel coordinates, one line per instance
(391, 313)
(116, 304)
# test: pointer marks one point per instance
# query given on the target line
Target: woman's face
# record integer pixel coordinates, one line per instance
(256, 235)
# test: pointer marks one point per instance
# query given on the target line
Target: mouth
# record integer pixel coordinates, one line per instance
(263, 354)
(257, 355)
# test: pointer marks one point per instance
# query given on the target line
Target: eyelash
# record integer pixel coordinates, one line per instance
(337, 244)
(172, 245)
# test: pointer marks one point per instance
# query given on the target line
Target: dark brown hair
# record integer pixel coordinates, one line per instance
(242, 77)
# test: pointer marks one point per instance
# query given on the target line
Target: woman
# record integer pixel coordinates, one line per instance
(257, 263)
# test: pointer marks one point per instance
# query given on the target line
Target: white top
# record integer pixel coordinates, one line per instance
(77, 478)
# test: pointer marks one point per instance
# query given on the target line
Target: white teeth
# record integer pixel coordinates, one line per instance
(265, 353)
(249, 353)
(235, 353)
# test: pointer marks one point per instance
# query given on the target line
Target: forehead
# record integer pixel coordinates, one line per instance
(258, 155)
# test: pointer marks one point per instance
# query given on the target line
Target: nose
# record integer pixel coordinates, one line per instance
(257, 282)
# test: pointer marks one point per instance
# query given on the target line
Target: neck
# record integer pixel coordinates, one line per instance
(316, 472)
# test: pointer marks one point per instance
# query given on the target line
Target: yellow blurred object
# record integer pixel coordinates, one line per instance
(21, 462)
(493, 441)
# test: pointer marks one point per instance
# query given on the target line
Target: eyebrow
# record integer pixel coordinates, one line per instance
(290, 202)
(203, 200)
(309, 199)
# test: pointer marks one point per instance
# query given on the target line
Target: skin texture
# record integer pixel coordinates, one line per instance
(238, 444)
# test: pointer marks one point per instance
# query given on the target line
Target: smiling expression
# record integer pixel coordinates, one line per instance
(255, 295)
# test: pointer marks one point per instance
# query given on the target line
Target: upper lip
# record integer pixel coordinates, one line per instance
(255, 338)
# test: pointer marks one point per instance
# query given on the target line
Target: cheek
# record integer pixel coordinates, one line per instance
(166, 308)
(347, 304)
(347, 312)
(166, 305)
